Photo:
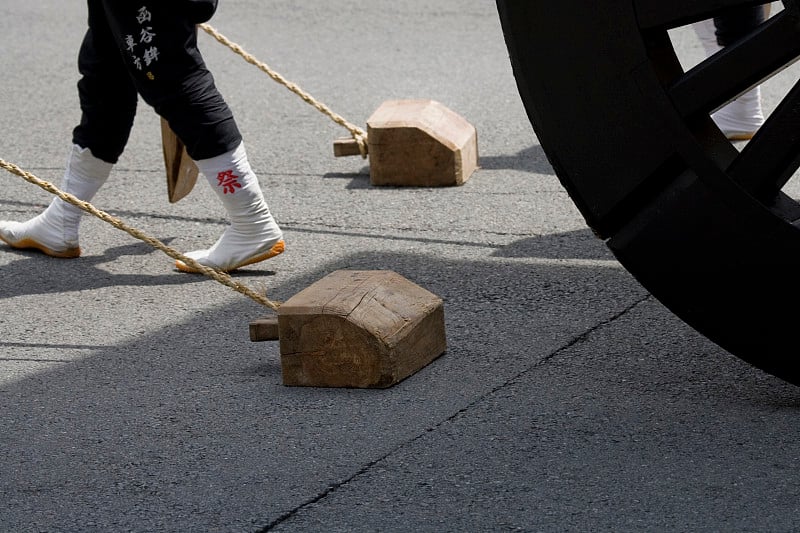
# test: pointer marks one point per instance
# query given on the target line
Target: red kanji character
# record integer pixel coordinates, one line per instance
(228, 181)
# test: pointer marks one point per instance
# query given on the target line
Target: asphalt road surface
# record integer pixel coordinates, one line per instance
(569, 399)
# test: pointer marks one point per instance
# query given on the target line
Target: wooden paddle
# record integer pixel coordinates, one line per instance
(181, 170)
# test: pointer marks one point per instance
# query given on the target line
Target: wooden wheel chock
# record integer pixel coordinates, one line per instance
(418, 143)
(355, 328)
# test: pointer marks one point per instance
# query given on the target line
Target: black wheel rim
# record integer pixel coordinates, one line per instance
(703, 226)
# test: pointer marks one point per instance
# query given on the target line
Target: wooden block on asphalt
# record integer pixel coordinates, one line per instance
(420, 143)
(360, 329)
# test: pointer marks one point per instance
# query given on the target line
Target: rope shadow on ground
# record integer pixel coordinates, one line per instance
(35, 273)
(159, 435)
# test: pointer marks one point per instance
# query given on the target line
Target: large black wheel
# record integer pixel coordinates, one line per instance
(703, 226)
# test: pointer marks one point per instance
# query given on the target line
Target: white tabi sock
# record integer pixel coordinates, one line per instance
(741, 118)
(55, 231)
(253, 235)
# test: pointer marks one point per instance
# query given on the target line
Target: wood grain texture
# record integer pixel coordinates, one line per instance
(182, 172)
(360, 329)
(420, 143)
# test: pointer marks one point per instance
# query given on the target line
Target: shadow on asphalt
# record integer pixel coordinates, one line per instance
(190, 426)
(578, 244)
(36, 273)
(531, 159)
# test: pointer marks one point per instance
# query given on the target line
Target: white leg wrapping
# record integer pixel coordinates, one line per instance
(253, 235)
(55, 231)
(706, 32)
(741, 117)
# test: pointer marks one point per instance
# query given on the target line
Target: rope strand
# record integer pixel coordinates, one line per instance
(359, 135)
(216, 275)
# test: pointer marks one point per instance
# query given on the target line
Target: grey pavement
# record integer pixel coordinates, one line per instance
(569, 399)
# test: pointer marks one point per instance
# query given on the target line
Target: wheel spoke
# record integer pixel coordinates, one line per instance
(653, 14)
(720, 78)
(773, 156)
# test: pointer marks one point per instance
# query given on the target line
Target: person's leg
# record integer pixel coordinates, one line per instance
(737, 23)
(159, 43)
(743, 116)
(108, 105)
(253, 235)
(706, 32)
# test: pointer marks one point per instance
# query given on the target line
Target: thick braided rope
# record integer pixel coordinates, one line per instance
(216, 275)
(359, 135)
